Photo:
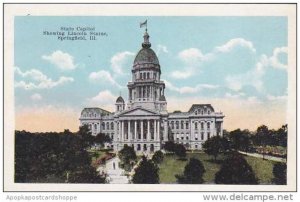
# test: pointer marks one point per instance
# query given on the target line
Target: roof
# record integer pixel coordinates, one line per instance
(120, 99)
(146, 55)
(96, 110)
(200, 106)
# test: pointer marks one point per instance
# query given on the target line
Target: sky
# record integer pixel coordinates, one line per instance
(237, 64)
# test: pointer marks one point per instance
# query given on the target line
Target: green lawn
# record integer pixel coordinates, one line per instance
(172, 166)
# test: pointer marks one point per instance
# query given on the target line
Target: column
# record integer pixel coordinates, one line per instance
(119, 130)
(154, 129)
(142, 129)
(165, 130)
(158, 130)
(221, 129)
(135, 132)
(148, 130)
(129, 135)
(122, 132)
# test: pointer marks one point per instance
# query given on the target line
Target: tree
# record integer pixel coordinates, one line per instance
(235, 170)
(146, 172)
(240, 139)
(213, 146)
(102, 138)
(127, 155)
(279, 173)
(86, 136)
(53, 157)
(158, 157)
(193, 173)
(169, 146)
(180, 151)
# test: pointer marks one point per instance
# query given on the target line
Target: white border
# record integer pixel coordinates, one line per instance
(12, 10)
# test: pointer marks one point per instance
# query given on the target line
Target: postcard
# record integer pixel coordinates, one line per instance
(150, 97)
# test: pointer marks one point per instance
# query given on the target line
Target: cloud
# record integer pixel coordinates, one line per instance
(254, 77)
(188, 89)
(63, 61)
(104, 99)
(193, 58)
(277, 98)
(36, 97)
(41, 81)
(119, 60)
(231, 44)
(273, 61)
(161, 49)
(103, 76)
(181, 74)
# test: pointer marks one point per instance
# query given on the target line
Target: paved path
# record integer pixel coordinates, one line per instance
(272, 158)
(115, 175)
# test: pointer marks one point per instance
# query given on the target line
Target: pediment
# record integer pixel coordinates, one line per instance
(138, 112)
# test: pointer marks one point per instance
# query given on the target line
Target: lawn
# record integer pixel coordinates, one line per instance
(172, 166)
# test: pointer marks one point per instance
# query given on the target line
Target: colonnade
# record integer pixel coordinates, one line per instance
(139, 130)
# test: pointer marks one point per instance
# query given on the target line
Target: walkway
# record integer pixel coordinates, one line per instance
(272, 158)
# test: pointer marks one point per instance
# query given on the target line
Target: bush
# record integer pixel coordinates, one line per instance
(158, 157)
(235, 170)
(193, 173)
(279, 172)
(180, 151)
(146, 173)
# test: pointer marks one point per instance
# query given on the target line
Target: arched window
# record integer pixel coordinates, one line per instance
(208, 135)
(187, 125)
(182, 125)
(107, 126)
(208, 125)
(141, 75)
(111, 125)
(196, 125)
(172, 124)
(144, 75)
(177, 124)
(202, 125)
(208, 112)
(148, 75)
(103, 126)
(95, 126)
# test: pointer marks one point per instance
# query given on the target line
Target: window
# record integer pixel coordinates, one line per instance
(201, 111)
(196, 112)
(187, 125)
(196, 146)
(208, 111)
(141, 75)
(95, 126)
(196, 126)
(208, 125)
(187, 137)
(182, 125)
(202, 125)
(202, 136)
(208, 135)
(148, 75)
(103, 126)
(107, 126)
(111, 125)
(177, 124)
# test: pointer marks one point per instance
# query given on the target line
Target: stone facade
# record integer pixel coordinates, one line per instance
(144, 122)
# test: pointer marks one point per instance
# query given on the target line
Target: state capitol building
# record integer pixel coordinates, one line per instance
(144, 122)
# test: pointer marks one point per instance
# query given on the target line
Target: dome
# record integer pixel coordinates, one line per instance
(146, 55)
(120, 99)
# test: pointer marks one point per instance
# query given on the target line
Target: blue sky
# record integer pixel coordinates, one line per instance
(221, 60)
